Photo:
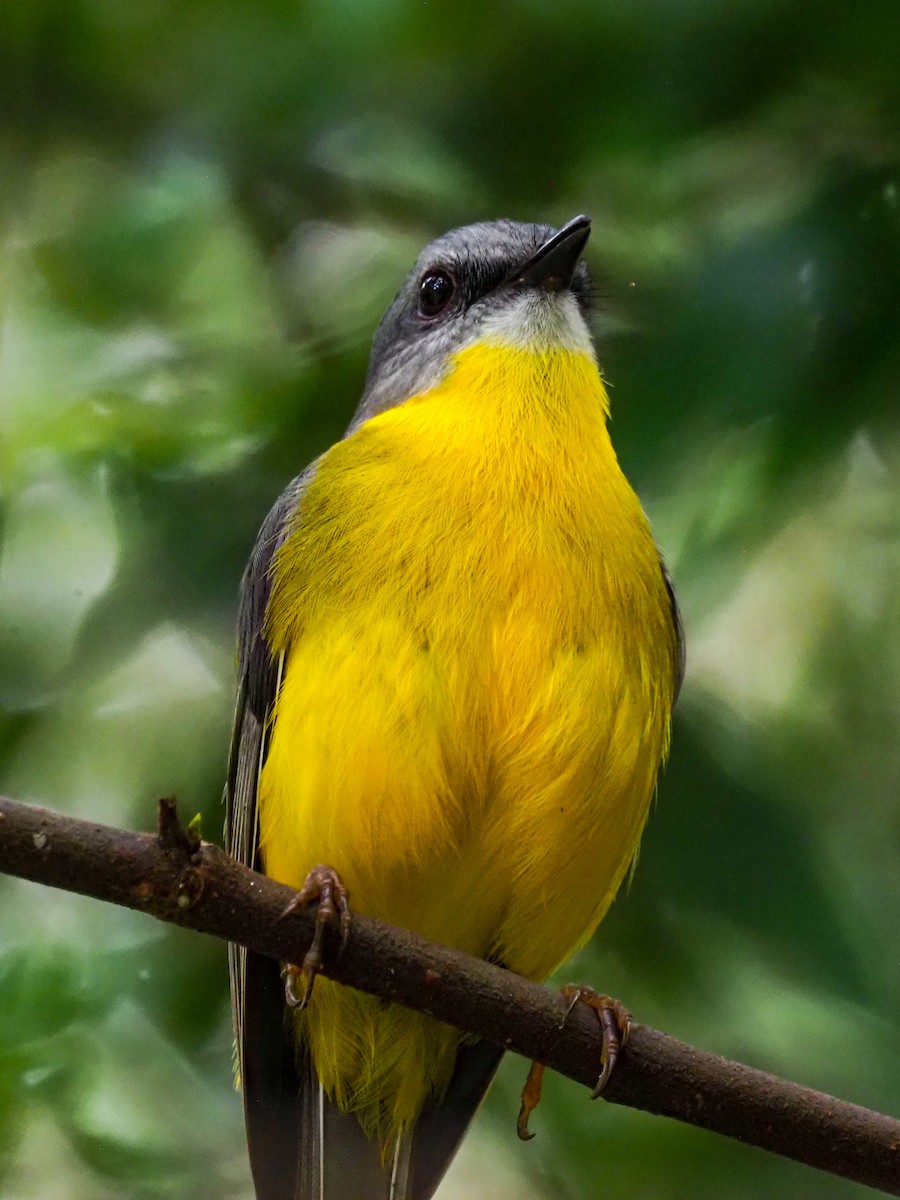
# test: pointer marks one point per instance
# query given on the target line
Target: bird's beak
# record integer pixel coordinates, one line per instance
(553, 264)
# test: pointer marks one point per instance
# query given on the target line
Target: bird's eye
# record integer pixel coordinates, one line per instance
(435, 292)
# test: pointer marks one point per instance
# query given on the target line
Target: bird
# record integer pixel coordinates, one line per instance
(458, 654)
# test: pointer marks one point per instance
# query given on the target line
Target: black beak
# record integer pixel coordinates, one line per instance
(553, 264)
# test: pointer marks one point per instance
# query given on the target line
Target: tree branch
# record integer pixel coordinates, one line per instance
(176, 878)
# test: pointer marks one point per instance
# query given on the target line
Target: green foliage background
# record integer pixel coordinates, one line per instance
(205, 207)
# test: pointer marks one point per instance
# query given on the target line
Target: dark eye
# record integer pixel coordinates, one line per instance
(435, 292)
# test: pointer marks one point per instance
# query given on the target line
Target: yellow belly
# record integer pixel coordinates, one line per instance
(479, 675)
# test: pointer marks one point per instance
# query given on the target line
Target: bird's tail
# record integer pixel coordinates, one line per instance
(303, 1147)
(338, 1161)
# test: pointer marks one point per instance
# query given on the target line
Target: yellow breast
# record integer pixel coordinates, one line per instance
(480, 669)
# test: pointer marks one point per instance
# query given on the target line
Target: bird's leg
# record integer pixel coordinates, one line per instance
(615, 1029)
(324, 885)
(531, 1096)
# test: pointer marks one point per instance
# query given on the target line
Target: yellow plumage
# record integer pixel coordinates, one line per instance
(480, 669)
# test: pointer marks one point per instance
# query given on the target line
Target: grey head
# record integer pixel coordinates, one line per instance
(521, 284)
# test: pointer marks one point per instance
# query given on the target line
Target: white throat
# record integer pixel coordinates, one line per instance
(539, 321)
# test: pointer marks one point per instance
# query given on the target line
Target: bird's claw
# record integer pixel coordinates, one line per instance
(615, 1030)
(615, 1027)
(322, 884)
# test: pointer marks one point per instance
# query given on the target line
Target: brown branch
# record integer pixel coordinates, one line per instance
(177, 878)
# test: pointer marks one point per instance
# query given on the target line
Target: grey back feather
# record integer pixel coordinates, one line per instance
(264, 1044)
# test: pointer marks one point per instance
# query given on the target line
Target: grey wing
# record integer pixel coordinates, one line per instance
(259, 678)
(679, 629)
(263, 1044)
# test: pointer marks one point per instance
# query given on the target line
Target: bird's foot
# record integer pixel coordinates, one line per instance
(615, 1030)
(615, 1027)
(323, 884)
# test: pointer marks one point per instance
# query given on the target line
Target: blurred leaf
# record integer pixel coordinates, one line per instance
(59, 554)
(378, 154)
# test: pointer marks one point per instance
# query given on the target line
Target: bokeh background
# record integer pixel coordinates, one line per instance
(204, 209)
